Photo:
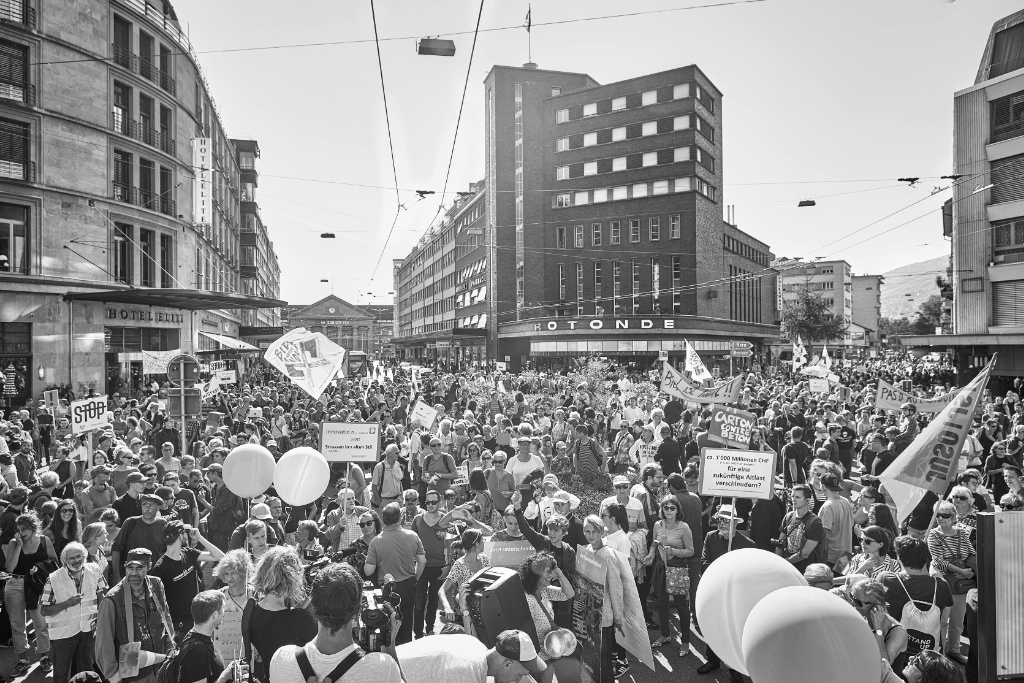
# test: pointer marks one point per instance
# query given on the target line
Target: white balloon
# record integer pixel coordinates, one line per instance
(301, 476)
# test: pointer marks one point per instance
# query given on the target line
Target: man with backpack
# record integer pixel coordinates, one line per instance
(197, 659)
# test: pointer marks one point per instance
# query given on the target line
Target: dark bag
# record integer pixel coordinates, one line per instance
(170, 669)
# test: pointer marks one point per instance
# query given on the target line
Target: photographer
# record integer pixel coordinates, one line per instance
(179, 569)
(335, 601)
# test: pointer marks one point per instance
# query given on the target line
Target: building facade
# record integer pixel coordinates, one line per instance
(987, 231)
(866, 312)
(832, 281)
(354, 328)
(118, 186)
(604, 221)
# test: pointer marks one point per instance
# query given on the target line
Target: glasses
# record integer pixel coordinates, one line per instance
(432, 501)
(960, 498)
(435, 445)
(136, 567)
(858, 603)
(487, 457)
(866, 541)
(943, 515)
(670, 507)
(1011, 506)
(366, 524)
(622, 486)
(67, 511)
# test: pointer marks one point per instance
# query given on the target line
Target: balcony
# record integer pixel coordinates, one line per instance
(25, 93)
(168, 83)
(119, 123)
(168, 207)
(18, 12)
(124, 57)
(18, 169)
(145, 198)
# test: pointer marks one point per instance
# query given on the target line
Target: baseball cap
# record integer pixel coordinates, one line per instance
(140, 556)
(261, 511)
(134, 478)
(517, 646)
(271, 442)
(563, 496)
(99, 469)
(831, 482)
(620, 480)
(550, 479)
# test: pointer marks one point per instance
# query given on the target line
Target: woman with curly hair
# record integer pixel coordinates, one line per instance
(65, 526)
(538, 573)
(236, 570)
(278, 614)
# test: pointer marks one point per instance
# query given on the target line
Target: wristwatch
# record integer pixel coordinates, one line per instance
(878, 632)
(465, 612)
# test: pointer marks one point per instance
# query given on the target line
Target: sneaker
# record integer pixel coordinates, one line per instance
(45, 664)
(620, 667)
(21, 668)
(706, 668)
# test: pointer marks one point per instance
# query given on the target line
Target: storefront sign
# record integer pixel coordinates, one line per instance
(606, 324)
(202, 186)
(732, 427)
(478, 281)
(736, 474)
(209, 323)
(88, 414)
(143, 316)
(350, 441)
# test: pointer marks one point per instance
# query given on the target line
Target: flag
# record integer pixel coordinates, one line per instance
(695, 366)
(309, 359)
(930, 462)
(799, 354)
(825, 360)
(211, 388)
(529, 22)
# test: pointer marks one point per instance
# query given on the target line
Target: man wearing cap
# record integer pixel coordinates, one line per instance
(411, 498)
(562, 503)
(99, 496)
(836, 516)
(876, 456)
(150, 621)
(227, 510)
(340, 525)
(69, 604)
(464, 659)
(182, 501)
(129, 504)
(17, 498)
(179, 569)
(634, 508)
(259, 512)
(144, 531)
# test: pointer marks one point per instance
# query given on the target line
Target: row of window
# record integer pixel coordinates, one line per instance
(155, 251)
(735, 246)
(633, 161)
(155, 187)
(615, 232)
(601, 195)
(631, 299)
(478, 321)
(1007, 117)
(636, 130)
(153, 61)
(744, 295)
(477, 295)
(646, 98)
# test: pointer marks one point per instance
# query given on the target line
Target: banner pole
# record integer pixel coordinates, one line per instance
(732, 522)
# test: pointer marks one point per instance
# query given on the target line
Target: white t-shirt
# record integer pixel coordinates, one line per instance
(634, 510)
(452, 659)
(374, 667)
(520, 470)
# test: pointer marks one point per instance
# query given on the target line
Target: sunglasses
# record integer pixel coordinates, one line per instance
(433, 501)
(961, 498)
(866, 540)
(669, 507)
(943, 515)
(622, 486)
(860, 604)
(1011, 506)
(366, 524)
(67, 511)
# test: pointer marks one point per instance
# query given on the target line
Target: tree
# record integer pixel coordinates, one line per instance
(810, 318)
(929, 315)
(888, 327)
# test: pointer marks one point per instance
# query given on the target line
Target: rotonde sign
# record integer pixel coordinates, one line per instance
(607, 324)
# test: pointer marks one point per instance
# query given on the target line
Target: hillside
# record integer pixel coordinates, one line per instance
(916, 280)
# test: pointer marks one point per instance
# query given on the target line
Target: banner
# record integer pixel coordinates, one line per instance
(227, 376)
(891, 398)
(309, 359)
(587, 609)
(930, 462)
(818, 385)
(211, 388)
(825, 360)
(228, 636)
(155, 362)
(88, 414)
(202, 183)
(736, 474)
(509, 554)
(674, 384)
(694, 365)
(732, 427)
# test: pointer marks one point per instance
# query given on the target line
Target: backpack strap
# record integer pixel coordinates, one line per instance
(339, 671)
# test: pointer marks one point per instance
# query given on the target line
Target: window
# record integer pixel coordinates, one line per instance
(560, 237)
(621, 192)
(1007, 116)
(618, 103)
(650, 159)
(579, 289)
(827, 271)
(14, 150)
(649, 128)
(578, 234)
(634, 230)
(563, 200)
(1008, 185)
(147, 55)
(636, 285)
(1007, 51)
(122, 42)
(14, 73)
(147, 178)
(618, 134)
(616, 280)
(681, 154)
(555, 92)
(122, 253)
(600, 195)
(619, 164)
(680, 91)
(561, 144)
(597, 280)
(648, 97)
(581, 198)
(683, 185)
(595, 234)
(828, 285)
(147, 243)
(561, 116)
(14, 243)
(673, 227)
(590, 109)
(166, 260)
(659, 187)
(589, 139)
(562, 173)
(613, 229)
(590, 168)
(122, 108)
(561, 281)
(654, 228)
(639, 190)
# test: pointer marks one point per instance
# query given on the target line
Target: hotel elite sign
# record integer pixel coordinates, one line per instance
(606, 324)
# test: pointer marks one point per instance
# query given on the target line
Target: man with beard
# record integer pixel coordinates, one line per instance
(144, 531)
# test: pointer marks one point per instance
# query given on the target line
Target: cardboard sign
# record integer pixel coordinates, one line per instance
(500, 366)
(51, 400)
(426, 414)
(736, 474)
(818, 385)
(891, 398)
(587, 609)
(509, 554)
(350, 441)
(732, 427)
(255, 412)
(88, 414)
(463, 476)
(218, 365)
(228, 636)
(662, 355)
(227, 376)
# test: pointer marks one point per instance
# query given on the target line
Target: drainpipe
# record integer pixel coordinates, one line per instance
(71, 341)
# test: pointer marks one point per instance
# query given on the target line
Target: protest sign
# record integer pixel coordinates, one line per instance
(308, 359)
(155, 362)
(463, 476)
(350, 441)
(818, 385)
(228, 636)
(227, 376)
(255, 412)
(675, 384)
(51, 399)
(736, 474)
(424, 413)
(500, 366)
(732, 427)
(88, 414)
(587, 609)
(508, 553)
(891, 398)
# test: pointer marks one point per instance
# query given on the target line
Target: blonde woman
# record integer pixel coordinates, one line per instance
(236, 570)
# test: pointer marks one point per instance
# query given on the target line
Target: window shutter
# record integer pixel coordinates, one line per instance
(576, 141)
(665, 93)
(604, 136)
(635, 161)
(604, 106)
(665, 125)
(13, 140)
(1008, 303)
(575, 170)
(633, 100)
(1008, 179)
(666, 156)
(576, 112)
(604, 165)
(634, 130)
(13, 63)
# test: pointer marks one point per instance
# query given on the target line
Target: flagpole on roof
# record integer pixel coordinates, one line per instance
(529, 36)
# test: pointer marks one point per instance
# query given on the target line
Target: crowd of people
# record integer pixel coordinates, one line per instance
(141, 543)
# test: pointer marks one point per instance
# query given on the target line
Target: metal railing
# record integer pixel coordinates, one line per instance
(119, 123)
(124, 57)
(18, 169)
(168, 207)
(18, 92)
(18, 12)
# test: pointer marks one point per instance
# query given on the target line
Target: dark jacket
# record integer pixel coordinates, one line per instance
(112, 628)
(668, 455)
(716, 545)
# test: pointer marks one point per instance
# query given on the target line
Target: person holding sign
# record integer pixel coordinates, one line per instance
(538, 574)
(612, 607)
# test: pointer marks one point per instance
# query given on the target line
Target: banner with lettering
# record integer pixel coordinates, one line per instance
(155, 362)
(891, 398)
(732, 427)
(309, 359)
(930, 462)
(587, 609)
(509, 554)
(674, 384)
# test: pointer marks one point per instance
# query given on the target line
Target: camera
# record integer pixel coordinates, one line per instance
(378, 607)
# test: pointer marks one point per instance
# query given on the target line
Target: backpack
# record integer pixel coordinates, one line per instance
(430, 458)
(339, 671)
(922, 626)
(170, 669)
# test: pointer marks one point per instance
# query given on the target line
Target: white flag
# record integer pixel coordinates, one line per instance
(825, 359)
(799, 354)
(309, 359)
(695, 366)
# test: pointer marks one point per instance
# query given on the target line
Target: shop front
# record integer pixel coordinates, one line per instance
(15, 365)
(639, 342)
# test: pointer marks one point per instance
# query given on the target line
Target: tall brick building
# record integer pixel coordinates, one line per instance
(604, 221)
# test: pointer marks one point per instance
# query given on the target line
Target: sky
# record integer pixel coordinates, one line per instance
(824, 100)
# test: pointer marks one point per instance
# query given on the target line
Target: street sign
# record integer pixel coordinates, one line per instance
(740, 345)
(193, 403)
(742, 353)
(183, 369)
(662, 355)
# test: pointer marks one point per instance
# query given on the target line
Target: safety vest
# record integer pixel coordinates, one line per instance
(81, 617)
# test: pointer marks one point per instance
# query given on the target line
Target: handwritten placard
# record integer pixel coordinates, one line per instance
(228, 636)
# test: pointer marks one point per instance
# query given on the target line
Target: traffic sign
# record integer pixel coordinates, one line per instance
(742, 353)
(183, 369)
(741, 345)
(193, 403)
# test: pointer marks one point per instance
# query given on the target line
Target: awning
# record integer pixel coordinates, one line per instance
(187, 299)
(229, 342)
